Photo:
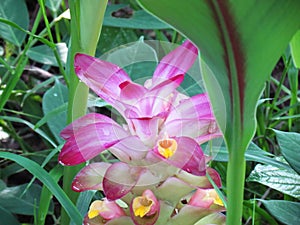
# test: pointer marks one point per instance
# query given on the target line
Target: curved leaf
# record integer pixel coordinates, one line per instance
(48, 181)
(285, 181)
(15, 11)
(55, 108)
(7, 217)
(232, 38)
(240, 42)
(289, 145)
(138, 20)
(285, 211)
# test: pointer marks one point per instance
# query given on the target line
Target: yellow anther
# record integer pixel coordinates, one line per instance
(93, 213)
(141, 206)
(95, 207)
(167, 147)
(214, 195)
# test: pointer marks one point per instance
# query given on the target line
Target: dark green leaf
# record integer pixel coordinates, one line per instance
(112, 37)
(285, 181)
(139, 19)
(15, 11)
(285, 211)
(289, 143)
(138, 59)
(39, 131)
(53, 5)
(7, 218)
(21, 201)
(2, 185)
(53, 101)
(253, 153)
(48, 181)
(45, 55)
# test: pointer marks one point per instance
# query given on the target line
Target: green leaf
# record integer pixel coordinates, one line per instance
(112, 37)
(215, 218)
(2, 185)
(54, 108)
(240, 61)
(83, 201)
(253, 153)
(139, 19)
(7, 217)
(13, 200)
(48, 181)
(39, 131)
(46, 195)
(295, 49)
(285, 211)
(53, 5)
(240, 42)
(289, 143)
(285, 181)
(138, 59)
(15, 11)
(45, 54)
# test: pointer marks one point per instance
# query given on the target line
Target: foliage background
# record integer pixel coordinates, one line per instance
(33, 108)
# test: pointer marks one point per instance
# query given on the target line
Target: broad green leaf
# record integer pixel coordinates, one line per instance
(54, 108)
(240, 42)
(289, 143)
(112, 37)
(138, 20)
(295, 49)
(45, 55)
(285, 181)
(239, 60)
(138, 59)
(16, 26)
(13, 199)
(284, 211)
(2, 185)
(48, 181)
(7, 218)
(253, 153)
(15, 11)
(53, 5)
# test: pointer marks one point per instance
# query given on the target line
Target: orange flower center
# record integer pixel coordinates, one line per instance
(167, 147)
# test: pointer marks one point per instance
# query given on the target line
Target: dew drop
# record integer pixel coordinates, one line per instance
(212, 127)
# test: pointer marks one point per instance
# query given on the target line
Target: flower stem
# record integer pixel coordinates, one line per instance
(86, 24)
(235, 187)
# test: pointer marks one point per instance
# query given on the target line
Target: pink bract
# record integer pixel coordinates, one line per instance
(153, 111)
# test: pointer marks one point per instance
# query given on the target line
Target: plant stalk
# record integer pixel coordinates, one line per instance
(235, 187)
(86, 24)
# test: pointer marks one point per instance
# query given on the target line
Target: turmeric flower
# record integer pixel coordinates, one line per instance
(162, 132)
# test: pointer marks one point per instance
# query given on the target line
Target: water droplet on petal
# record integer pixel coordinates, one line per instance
(212, 128)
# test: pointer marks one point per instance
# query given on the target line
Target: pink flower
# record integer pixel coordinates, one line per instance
(145, 208)
(163, 127)
(104, 209)
(208, 198)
